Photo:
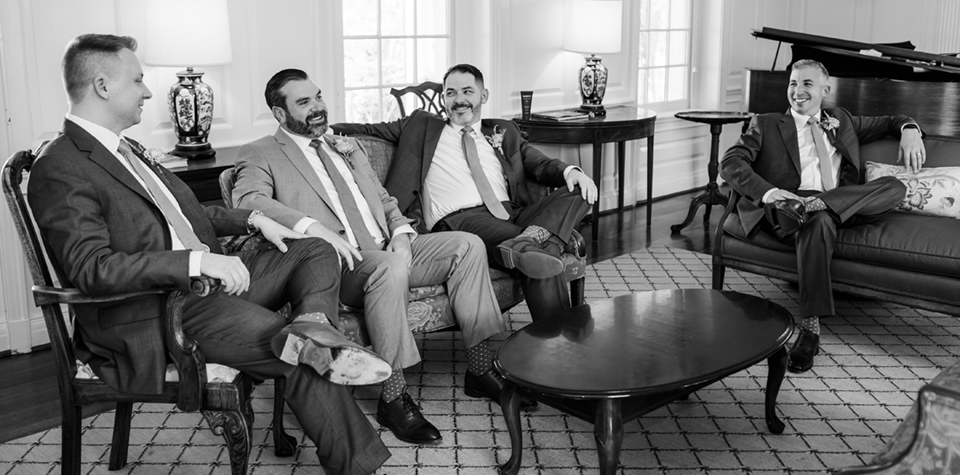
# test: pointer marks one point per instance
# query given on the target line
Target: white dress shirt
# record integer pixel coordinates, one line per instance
(810, 178)
(111, 141)
(368, 219)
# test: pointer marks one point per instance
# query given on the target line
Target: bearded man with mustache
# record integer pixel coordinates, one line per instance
(462, 173)
(799, 175)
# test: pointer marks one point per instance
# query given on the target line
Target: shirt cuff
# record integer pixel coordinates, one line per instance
(767, 195)
(303, 224)
(566, 171)
(195, 257)
(405, 229)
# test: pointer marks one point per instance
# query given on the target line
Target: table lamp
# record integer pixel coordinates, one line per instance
(188, 33)
(592, 27)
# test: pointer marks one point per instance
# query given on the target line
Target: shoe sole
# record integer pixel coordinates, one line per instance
(532, 264)
(356, 367)
(383, 423)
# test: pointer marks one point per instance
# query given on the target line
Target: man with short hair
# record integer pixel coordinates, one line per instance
(800, 175)
(464, 174)
(324, 186)
(115, 222)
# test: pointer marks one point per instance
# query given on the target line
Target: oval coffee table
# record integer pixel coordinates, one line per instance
(614, 360)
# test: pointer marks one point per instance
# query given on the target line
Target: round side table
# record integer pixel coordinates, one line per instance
(710, 196)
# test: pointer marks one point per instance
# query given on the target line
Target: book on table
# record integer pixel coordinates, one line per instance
(563, 115)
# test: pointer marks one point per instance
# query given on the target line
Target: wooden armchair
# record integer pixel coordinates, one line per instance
(224, 400)
(428, 93)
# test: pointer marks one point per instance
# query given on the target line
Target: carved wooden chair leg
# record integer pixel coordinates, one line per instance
(284, 445)
(121, 435)
(232, 425)
(70, 434)
(576, 291)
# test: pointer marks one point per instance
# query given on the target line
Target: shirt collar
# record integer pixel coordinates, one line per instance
(304, 142)
(801, 120)
(105, 136)
(458, 128)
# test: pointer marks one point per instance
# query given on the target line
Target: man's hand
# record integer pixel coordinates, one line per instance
(588, 189)
(275, 232)
(912, 152)
(343, 247)
(779, 195)
(229, 269)
(400, 244)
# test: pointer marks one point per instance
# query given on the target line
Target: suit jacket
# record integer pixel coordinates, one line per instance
(417, 136)
(109, 237)
(767, 155)
(274, 176)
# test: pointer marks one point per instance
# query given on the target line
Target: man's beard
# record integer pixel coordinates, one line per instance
(303, 127)
(466, 116)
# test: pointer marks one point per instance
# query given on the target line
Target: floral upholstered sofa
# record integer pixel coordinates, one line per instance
(910, 256)
(428, 308)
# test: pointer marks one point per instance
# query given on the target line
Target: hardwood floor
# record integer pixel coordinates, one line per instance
(29, 399)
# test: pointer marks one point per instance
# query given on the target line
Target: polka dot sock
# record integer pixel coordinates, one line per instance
(811, 324)
(814, 204)
(479, 358)
(394, 386)
(536, 232)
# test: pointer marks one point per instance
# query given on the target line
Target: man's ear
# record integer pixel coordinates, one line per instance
(826, 89)
(279, 114)
(484, 95)
(100, 86)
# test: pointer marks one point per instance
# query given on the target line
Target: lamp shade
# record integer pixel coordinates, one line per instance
(187, 33)
(592, 26)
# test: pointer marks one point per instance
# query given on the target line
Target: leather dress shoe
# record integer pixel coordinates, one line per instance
(533, 259)
(311, 340)
(800, 357)
(790, 215)
(402, 416)
(490, 385)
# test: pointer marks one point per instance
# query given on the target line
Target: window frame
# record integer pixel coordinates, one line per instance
(690, 58)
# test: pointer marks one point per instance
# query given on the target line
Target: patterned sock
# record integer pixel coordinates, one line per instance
(813, 203)
(811, 324)
(394, 386)
(536, 232)
(479, 358)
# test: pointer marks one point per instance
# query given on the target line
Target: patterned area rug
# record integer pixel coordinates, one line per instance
(875, 356)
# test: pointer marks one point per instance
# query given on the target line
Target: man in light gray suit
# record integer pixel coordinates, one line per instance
(324, 186)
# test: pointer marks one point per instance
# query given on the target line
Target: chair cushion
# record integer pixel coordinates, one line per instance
(930, 191)
(216, 373)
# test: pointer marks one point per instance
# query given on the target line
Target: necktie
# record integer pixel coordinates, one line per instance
(170, 212)
(479, 178)
(826, 162)
(354, 218)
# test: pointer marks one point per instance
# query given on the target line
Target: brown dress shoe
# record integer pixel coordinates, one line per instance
(489, 385)
(538, 261)
(402, 416)
(312, 341)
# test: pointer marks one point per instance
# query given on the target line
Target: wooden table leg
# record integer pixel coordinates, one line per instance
(510, 404)
(776, 369)
(598, 178)
(649, 179)
(608, 431)
(621, 169)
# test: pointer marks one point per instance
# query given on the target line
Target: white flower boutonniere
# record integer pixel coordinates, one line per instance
(343, 146)
(154, 155)
(496, 140)
(829, 123)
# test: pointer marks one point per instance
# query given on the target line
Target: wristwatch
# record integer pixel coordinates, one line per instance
(910, 126)
(253, 214)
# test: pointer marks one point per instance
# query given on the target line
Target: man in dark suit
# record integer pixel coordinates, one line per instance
(800, 175)
(324, 186)
(118, 223)
(464, 174)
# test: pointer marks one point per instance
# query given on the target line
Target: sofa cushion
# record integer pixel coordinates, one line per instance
(930, 191)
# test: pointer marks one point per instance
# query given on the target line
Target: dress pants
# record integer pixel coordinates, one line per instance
(558, 213)
(381, 281)
(236, 331)
(848, 206)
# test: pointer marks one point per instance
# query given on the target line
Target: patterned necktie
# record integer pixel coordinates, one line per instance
(826, 161)
(170, 212)
(354, 218)
(479, 178)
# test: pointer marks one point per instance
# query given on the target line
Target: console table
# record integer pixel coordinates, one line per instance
(621, 123)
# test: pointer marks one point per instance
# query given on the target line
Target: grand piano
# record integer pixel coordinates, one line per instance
(890, 79)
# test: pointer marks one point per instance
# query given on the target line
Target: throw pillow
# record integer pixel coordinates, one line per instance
(930, 191)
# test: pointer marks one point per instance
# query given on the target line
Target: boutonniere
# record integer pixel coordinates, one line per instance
(343, 146)
(155, 156)
(496, 139)
(829, 123)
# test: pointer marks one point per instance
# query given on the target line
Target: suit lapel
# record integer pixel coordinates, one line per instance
(486, 129)
(788, 130)
(431, 137)
(300, 162)
(367, 189)
(837, 138)
(103, 157)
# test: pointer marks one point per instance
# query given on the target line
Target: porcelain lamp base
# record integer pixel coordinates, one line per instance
(191, 111)
(593, 85)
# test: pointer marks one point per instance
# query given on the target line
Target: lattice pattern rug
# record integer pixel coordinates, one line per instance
(875, 356)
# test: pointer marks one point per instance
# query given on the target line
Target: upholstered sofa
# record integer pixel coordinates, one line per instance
(428, 308)
(903, 257)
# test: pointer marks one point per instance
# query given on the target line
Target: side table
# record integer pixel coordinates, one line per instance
(621, 123)
(711, 196)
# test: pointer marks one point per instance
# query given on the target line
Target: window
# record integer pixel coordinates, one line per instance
(665, 39)
(387, 44)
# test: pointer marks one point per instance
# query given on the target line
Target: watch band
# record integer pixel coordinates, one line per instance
(250, 227)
